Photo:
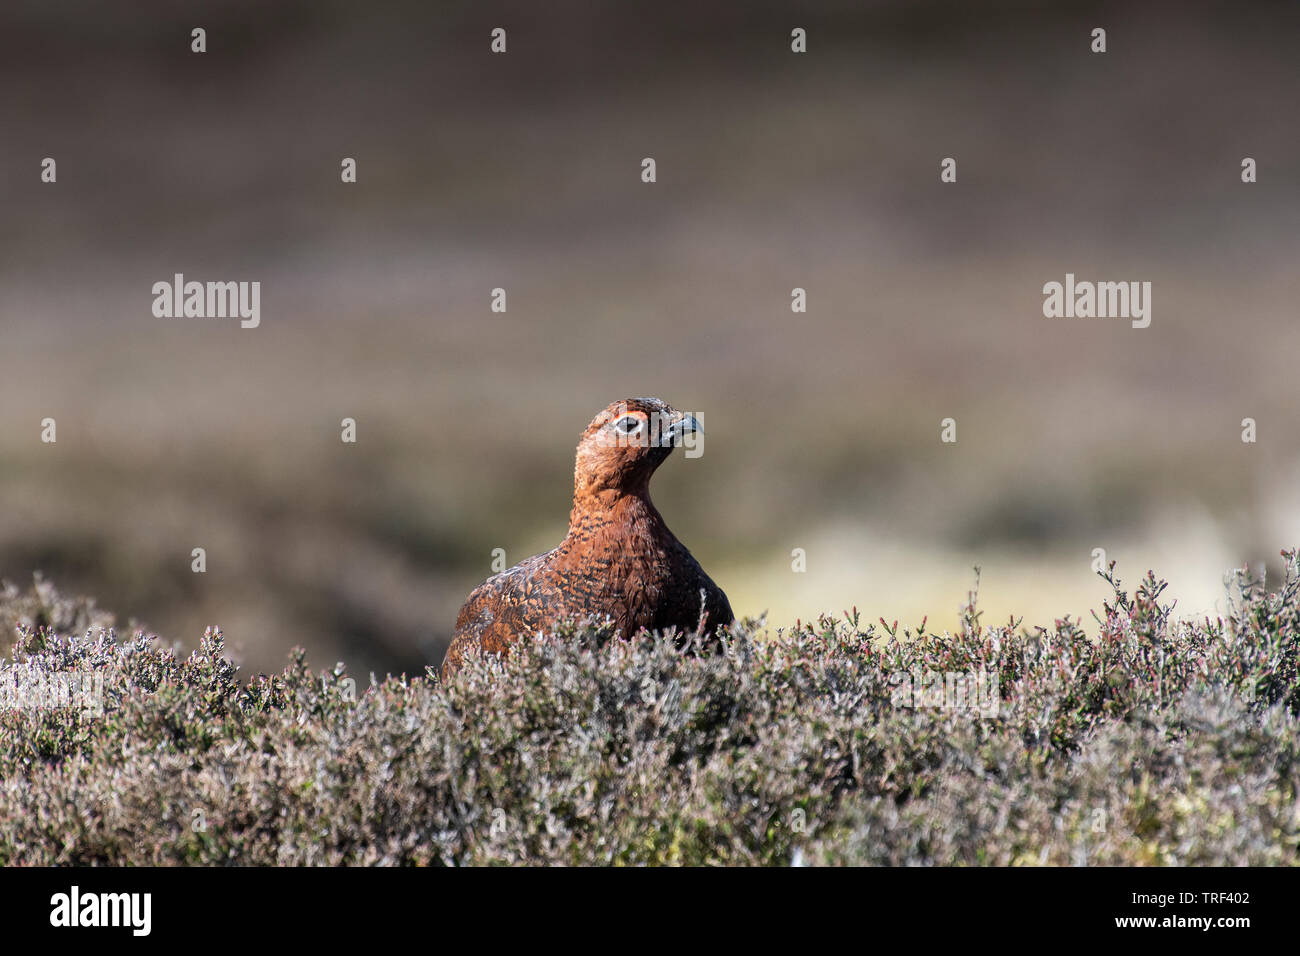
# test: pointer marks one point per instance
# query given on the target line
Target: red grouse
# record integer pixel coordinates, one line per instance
(619, 560)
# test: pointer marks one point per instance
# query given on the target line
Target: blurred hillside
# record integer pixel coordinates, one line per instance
(522, 171)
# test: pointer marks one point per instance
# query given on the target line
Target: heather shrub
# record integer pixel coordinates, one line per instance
(1150, 740)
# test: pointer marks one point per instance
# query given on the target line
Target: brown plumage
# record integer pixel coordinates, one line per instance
(618, 560)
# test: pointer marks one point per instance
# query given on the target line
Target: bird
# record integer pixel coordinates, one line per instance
(618, 561)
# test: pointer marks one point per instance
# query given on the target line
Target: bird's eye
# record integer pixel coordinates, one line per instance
(627, 424)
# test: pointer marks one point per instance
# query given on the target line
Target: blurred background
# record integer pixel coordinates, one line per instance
(522, 171)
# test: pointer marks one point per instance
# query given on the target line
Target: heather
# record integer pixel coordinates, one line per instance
(1135, 737)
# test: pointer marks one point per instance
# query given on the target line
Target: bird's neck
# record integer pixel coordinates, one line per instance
(611, 512)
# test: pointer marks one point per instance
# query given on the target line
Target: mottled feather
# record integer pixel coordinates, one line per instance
(618, 561)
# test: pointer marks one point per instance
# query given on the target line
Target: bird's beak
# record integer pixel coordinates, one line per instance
(678, 429)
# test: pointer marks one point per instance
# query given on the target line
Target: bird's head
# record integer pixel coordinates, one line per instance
(626, 442)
